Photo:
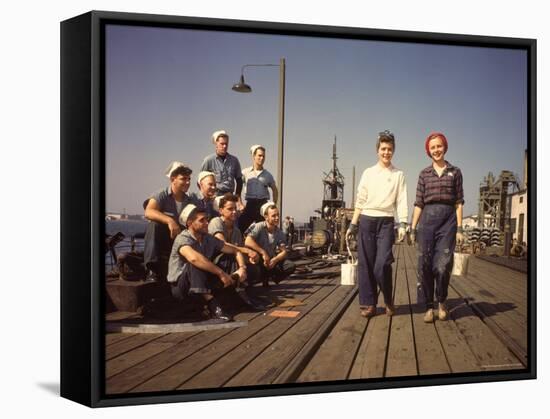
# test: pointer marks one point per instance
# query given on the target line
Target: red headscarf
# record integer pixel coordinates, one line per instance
(431, 137)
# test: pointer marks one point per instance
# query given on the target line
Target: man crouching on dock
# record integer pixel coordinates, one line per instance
(190, 270)
(245, 263)
(269, 241)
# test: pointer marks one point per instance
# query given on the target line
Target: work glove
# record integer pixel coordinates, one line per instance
(401, 231)
(413, 236)
(351, 233)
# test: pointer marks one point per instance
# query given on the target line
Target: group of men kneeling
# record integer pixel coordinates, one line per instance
(208, 251)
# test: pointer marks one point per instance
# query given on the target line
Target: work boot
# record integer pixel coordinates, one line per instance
(429, 316)
(216, 311)
(443, 313)
(369, 311)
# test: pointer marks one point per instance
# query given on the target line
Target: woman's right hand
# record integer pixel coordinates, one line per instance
(351, 232)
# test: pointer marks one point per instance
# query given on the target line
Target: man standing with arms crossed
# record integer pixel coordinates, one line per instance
(225, 166)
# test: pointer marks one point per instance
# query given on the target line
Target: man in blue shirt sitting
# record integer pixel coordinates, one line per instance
(163, 209)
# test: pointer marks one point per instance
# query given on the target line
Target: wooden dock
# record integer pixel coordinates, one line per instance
(328, 340)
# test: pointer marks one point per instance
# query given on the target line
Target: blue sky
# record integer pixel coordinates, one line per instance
(169, 89)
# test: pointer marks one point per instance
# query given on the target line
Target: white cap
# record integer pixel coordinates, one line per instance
(173, 166)
(204, 174)
(216, 203)
(264, 207)
(255, 147)
(189, 208)
(216, 134)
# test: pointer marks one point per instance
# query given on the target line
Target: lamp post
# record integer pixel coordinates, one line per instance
(242, 87)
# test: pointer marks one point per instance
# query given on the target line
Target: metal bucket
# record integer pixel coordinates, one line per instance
(460, 264)
(349, 269)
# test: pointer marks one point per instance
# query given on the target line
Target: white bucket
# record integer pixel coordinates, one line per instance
(349, 269)
(460, 264)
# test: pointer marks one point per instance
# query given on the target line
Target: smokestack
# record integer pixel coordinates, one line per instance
(525, 170)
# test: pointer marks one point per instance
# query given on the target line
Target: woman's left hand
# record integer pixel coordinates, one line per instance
(459, 239)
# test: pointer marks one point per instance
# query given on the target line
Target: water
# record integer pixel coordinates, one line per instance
(126, 227)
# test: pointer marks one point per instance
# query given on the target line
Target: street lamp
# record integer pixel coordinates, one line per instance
(242, 87)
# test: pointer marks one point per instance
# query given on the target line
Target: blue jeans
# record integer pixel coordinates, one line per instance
(157, 247)
(196, 281)
(280, 271)
(436, 240)
(375, 243)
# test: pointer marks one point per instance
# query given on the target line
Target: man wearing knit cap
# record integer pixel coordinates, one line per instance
(191, 270)
(257, 180)
(225, 166)
(206, 183)
(268, 240)
(163, 209)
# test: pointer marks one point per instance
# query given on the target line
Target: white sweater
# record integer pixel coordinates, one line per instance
(382, 192)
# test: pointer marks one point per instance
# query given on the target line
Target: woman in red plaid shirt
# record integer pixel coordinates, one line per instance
(437, 225)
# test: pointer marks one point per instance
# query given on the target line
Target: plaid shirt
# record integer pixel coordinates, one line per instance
(432, 189)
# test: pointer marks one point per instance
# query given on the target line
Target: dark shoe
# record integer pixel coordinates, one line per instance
(390, 309)
(151, 277)
(216, 311)
(250, 302)
(370, 311)
(277, 280)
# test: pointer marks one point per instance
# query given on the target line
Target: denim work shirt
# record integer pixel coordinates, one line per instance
(226, 171)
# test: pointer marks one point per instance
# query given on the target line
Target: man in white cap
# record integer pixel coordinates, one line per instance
(225, 166)
(257, 180)
(163, 209)
(206, 182)
(268, 240)
(191, 271)
(243, 263)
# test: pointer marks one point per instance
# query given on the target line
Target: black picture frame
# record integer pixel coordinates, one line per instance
(83, 205)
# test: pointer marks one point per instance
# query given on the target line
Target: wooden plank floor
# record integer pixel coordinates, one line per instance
(487, 331)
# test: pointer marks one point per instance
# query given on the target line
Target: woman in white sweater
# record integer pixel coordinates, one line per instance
(381, 194)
